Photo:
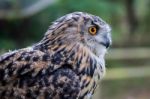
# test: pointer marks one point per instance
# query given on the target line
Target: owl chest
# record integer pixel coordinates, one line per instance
(89, 82)
(88, 86)
(90, 73)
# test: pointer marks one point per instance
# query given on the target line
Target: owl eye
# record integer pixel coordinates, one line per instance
(93, 30)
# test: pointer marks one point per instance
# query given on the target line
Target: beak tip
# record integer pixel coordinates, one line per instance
(106, 44)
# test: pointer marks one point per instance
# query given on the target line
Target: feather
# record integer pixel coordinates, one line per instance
(61, 66)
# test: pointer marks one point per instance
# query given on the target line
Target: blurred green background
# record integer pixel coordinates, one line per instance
(24, 22)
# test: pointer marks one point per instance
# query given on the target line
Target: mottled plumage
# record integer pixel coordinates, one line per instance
(66, 64)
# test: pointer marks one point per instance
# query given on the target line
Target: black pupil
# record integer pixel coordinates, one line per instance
(93, 29)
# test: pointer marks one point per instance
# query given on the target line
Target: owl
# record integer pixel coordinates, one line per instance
(66, 64)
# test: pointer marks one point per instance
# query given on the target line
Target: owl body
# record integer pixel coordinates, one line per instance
(63, 65)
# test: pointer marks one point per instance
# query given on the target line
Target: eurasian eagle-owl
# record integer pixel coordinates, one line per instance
(66, 64)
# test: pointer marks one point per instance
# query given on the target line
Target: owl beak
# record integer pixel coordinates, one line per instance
(106, 43)
(106, 40)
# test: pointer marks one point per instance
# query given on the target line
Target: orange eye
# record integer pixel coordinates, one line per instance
(92, 30)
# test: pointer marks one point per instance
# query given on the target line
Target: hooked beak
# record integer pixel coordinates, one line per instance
(106, 43)
(106, 40)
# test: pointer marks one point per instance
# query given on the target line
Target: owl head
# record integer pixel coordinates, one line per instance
(81, 28)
